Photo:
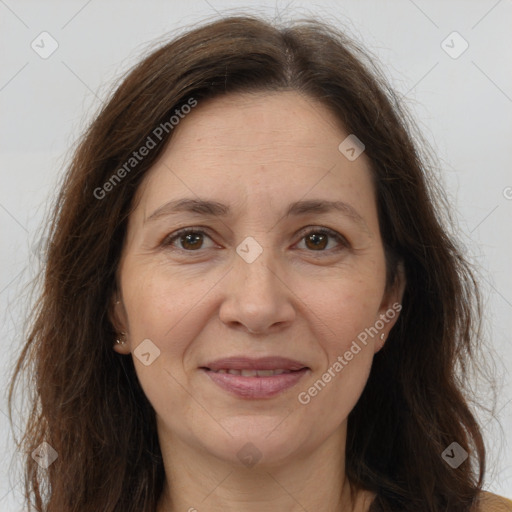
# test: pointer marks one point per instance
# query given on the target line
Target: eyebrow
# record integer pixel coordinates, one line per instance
(216, 209)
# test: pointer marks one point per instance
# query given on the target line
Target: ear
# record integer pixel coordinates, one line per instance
(390, 307)
(119, 320)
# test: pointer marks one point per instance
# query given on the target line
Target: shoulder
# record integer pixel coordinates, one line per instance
(489, 502)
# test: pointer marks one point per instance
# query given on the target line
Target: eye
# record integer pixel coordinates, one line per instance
(317, 239)
(190, 239)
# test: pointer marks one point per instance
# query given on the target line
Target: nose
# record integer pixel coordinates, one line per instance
(257, 297)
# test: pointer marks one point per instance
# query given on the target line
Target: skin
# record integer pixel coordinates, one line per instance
(256, 153)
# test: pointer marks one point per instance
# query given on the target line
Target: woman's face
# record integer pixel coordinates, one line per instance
(256, 278)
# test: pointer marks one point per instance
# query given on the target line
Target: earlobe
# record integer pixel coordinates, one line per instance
(394, 295)
(391, 306)
(117, 317)
(120, 344)
(380, 343)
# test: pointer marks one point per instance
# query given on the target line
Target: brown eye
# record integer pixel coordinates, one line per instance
(189, 239)
(317, 240)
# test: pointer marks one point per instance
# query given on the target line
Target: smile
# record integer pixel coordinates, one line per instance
(253, 373)
(255, 384)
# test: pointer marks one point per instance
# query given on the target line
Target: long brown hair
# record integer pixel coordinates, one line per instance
(87, 403)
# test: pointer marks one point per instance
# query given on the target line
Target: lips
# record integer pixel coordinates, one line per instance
(253, 373)
(255, 378)
(274, 363)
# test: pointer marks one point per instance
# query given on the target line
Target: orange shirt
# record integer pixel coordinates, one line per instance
(493, 503)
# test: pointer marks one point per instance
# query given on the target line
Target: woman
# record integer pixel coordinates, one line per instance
(250, 300)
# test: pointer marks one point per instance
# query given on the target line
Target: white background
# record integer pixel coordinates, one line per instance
(463, 106)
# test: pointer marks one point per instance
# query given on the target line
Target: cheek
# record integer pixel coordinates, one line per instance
(334, 388)
(167, 308)
(161, 305)
(346, 314)
(163, 309)
(345, 305)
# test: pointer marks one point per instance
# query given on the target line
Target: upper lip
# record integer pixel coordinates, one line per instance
(261, 363)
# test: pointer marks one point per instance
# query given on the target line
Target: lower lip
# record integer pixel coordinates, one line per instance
(256, 387)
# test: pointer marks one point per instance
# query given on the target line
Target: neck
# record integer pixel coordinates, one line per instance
(199, 482)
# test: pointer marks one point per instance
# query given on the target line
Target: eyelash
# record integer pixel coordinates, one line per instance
(168, 240)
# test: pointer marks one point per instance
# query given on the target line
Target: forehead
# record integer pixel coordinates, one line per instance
(255, 147)
(262, 122)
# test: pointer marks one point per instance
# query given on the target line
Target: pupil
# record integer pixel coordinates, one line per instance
(189, 238)
(318, 240)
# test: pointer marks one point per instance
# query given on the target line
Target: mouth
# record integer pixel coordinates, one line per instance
(252, 373)
(255, 378)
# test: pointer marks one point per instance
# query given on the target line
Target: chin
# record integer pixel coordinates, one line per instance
(265, 441)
